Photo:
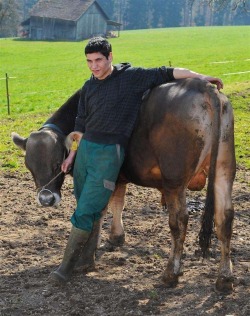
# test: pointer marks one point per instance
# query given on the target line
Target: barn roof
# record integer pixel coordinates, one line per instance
(70, 10)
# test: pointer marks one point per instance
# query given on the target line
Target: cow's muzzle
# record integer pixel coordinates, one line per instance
(47, 198)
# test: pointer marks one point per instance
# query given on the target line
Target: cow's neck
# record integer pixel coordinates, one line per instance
(63, 120)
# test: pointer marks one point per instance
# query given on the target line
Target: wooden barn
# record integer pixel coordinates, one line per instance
(67, 20)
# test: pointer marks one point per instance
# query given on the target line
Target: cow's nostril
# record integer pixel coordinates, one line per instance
(46, 197)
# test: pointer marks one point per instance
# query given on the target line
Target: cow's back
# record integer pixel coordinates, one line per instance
(173, 134)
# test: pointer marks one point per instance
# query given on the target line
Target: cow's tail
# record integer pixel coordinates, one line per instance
(207, 222)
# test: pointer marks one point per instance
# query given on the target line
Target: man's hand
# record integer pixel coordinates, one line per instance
(68, 162)
(182, 73)
(72, 139)
(218, 82)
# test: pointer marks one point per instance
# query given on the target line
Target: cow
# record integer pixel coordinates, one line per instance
(184, 134)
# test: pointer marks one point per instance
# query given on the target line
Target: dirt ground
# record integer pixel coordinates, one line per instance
(127, 279)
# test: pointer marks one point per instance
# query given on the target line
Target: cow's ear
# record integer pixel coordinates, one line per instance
(19, 141)
(73, 136)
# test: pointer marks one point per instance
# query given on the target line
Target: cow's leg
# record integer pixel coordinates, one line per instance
(224, 212)
(178, 219)
(116, 205)
(224, 215)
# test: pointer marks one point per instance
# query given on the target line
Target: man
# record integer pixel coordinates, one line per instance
(107, 112)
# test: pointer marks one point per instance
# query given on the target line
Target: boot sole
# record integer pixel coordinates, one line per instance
(57, 278)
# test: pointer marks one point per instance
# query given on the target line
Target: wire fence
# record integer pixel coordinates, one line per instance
(40, 81)
(7, 94)
(7, 91)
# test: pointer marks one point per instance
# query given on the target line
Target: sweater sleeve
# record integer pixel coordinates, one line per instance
(81, 112)
(147, 78)
(167, 73)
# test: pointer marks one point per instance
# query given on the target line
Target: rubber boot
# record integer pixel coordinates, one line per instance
(77, 240)
(86, 260)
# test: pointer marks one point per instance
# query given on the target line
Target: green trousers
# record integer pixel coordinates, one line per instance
(96, 169)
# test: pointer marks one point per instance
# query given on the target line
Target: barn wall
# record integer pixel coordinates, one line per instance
(36, 28)
(51, 29)
(91, 23)
(64, 30)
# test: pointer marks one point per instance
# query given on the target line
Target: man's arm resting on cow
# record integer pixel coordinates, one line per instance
(182, 73)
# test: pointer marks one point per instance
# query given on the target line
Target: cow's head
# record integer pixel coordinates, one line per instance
(45, 152)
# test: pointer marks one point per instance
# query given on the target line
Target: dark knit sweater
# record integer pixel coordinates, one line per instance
(108, 108)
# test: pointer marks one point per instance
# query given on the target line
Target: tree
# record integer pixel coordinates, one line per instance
(138, 13)
(229, 12)
(216, 12)
(234, 4)
(167, 13)
(9, 18)
(25, 6)
(108, 7)
(116, 10)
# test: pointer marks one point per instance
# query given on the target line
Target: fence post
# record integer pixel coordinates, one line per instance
(7, 93)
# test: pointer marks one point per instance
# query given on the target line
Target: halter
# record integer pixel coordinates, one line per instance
(58, 130)
(43, 188)
(53, 127)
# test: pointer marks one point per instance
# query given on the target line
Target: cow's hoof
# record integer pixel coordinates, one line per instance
(170, 280)
(117, 240)
(224, 285)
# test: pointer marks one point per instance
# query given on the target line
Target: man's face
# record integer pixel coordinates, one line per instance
(99, 65)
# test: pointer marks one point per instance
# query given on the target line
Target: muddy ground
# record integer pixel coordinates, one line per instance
(126, 280)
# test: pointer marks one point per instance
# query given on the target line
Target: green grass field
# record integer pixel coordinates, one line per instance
(44, 74)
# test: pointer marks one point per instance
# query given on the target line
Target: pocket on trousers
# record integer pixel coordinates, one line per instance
(109, 185)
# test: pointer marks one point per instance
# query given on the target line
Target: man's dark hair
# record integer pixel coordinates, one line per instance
(98, 45)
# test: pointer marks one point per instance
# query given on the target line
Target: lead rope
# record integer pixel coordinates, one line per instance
(43, 187)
